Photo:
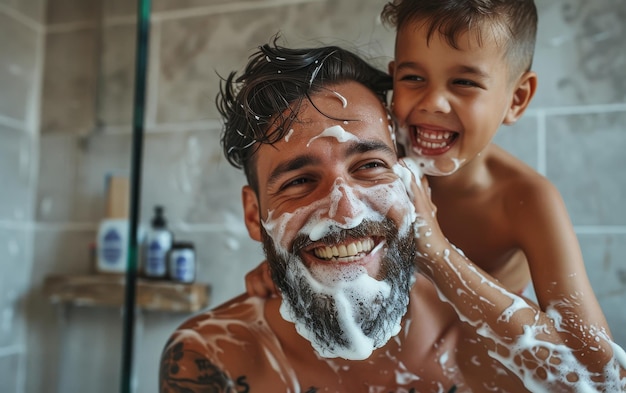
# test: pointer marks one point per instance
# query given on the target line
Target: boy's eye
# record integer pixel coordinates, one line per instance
(412, 78)
(465, 82)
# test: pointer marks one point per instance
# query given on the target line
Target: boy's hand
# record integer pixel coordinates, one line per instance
(259, 282)
(429, 238)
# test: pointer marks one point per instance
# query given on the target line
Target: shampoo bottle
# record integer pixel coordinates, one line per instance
(112, 241)
(158, 242)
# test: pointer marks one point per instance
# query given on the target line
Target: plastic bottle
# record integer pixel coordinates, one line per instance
(182, 262)
(158, 243)
(112, 241)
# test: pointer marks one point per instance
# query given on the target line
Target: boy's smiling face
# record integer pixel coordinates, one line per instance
(450, 101)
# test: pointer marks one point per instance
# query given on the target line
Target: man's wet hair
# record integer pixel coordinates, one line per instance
(260, 105)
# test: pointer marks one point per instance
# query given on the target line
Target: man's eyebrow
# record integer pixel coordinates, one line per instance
(364, 146)
(291, 165)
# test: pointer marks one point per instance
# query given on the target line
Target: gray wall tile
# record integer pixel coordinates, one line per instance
(585, 162)
(187, 173)
(33, 9)
(117, 75)
(581, 54)
(18, 164)
(521, 140)
(59, 251)
(11, 373)
(73, 171)
(605, 265)
(73, 11)
(16, 247)
(18, 45)
(69, 86)
(198, 49)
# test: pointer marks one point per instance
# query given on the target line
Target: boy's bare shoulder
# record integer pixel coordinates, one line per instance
(525, 193)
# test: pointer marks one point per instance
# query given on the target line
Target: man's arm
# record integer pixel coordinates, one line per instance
(186, 368)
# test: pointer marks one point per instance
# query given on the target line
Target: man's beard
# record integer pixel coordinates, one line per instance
(351, 316)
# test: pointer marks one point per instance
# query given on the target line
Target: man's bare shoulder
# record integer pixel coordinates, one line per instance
(213, 351)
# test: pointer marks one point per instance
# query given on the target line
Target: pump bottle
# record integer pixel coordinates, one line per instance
(157, 244)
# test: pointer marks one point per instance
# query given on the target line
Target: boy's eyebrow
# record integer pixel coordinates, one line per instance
(465, 69)
(461, 69)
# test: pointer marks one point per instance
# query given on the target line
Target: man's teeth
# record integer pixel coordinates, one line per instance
(345, 250)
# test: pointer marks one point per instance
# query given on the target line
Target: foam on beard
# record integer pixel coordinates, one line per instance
(350, 288)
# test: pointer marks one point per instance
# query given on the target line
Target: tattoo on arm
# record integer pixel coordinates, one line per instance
(187, 371)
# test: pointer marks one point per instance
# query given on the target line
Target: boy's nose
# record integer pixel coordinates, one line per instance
(434, 100)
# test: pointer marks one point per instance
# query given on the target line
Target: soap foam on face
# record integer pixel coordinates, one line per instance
(350, 286)
(427, 165)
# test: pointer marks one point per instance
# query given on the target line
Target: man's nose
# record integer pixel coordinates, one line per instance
(434, 99)
(346, 206)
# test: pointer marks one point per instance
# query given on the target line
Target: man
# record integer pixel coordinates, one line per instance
(373, 297)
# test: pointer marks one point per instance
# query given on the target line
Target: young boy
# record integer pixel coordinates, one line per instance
(461, 69)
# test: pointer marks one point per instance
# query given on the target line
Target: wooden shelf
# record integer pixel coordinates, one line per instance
(100, 290)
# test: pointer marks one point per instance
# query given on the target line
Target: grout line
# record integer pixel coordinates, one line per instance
(12, 350)
(579, 110)
(12, 123)
(164, 128)
(27, 21)
(71, 27)
(600, 230)
(152, 109)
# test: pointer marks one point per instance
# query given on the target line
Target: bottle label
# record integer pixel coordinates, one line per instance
(155, 261)
(182, 265)
(112, 248)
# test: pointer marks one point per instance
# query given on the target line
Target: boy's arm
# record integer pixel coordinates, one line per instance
(555, 349)
(540, 221)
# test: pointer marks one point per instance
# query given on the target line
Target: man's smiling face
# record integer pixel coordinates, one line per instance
(336, 222)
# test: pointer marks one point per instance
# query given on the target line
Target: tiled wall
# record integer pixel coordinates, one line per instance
(21, 48)
(573, 133)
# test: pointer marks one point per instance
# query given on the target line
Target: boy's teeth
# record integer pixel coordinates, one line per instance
(433, 140)
(344, 250)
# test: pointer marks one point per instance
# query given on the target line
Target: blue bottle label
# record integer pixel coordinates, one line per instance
(112, 247)
(182, 265)
(155, 266)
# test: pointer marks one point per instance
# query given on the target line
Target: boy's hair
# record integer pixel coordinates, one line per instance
(260, 105)
(516, 18)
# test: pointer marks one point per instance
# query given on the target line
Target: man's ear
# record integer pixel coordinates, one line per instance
(251, 212)
(523, 93)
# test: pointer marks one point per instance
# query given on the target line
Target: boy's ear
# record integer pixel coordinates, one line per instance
(523, 93)
(391, 67)
(251, 212)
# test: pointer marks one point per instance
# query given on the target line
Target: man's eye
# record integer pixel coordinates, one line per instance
(373, 165)
(295, 182)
